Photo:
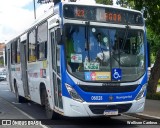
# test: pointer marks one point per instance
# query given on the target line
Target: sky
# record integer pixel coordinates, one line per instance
(17, 15)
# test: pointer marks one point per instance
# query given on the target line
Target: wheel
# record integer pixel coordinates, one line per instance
(19, 98)
(49, 112)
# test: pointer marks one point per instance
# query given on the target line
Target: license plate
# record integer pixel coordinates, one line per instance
(110, 112)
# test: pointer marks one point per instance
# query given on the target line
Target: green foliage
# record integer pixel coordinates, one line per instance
(152, 58)
(154, 41)
(107, 2)
(122, 3)
(155, 96)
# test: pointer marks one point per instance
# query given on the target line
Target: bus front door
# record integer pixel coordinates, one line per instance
(57, 86)
(23, 48)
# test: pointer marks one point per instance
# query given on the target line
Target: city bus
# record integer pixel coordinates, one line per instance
(81, 60)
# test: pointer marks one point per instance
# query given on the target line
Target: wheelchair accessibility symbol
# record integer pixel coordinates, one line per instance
(116, 74)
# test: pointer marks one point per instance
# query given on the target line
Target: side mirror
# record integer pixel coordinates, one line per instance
(145, 14)
(58, 36)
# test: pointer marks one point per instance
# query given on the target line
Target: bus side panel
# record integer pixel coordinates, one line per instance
(38, 74)
(18, 78)
(33, 81)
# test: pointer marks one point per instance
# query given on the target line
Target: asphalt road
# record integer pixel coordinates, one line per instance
(35, 111)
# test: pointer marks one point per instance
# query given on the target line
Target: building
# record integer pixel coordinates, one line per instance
(2, 46)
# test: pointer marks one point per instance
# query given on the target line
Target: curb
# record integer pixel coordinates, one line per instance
(145, 116)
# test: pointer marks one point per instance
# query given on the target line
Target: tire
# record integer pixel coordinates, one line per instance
(49, 112)
(19, 98)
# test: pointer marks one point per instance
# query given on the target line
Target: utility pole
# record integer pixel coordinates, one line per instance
(34, 9)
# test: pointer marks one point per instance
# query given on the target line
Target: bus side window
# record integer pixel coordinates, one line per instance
(32, 46)
(42, 41)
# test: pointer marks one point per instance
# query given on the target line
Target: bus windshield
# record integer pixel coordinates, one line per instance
(93, 52)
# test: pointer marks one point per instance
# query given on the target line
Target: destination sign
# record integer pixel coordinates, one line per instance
(102, 14)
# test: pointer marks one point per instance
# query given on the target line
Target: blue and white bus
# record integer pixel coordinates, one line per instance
(81, 60)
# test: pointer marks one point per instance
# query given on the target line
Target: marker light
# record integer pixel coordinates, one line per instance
(74, 95)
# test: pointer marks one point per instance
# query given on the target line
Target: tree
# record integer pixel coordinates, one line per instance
(122, 3)
(107, 2)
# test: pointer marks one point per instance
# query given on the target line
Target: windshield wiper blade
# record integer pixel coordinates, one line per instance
(125, 37)
(87, 38)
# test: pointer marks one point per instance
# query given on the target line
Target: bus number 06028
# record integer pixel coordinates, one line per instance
(96, 98)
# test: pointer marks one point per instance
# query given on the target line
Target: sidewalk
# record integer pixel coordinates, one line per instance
(151, 111)
(152, 108)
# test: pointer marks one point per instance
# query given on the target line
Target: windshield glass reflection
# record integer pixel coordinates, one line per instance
(93, 56)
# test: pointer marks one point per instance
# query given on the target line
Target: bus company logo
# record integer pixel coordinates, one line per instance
(110, 98)
(111, 84)
(124, 97)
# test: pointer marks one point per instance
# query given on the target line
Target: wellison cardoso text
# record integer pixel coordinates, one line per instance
(142, 122)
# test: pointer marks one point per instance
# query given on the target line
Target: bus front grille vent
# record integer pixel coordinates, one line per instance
(99, 109)
(108, 89)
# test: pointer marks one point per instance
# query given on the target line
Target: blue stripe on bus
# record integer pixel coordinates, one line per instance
(116, 97)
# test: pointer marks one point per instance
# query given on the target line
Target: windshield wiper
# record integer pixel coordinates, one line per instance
(121, 47)
(125, 37)
(87, 38)
(99, 39)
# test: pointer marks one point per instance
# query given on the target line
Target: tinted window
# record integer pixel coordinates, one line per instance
(32, 46)
(42, 41)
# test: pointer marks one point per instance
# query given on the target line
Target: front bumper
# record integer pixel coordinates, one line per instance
(74, 108)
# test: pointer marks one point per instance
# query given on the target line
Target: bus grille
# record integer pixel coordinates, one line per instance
(99, 109)
(108, 89)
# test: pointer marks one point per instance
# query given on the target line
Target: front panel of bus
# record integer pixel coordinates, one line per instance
(103, 61)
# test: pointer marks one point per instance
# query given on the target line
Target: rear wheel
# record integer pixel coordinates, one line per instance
(49, 112)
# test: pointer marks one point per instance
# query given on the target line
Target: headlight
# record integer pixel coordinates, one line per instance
(74, 95)
(141, 92)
